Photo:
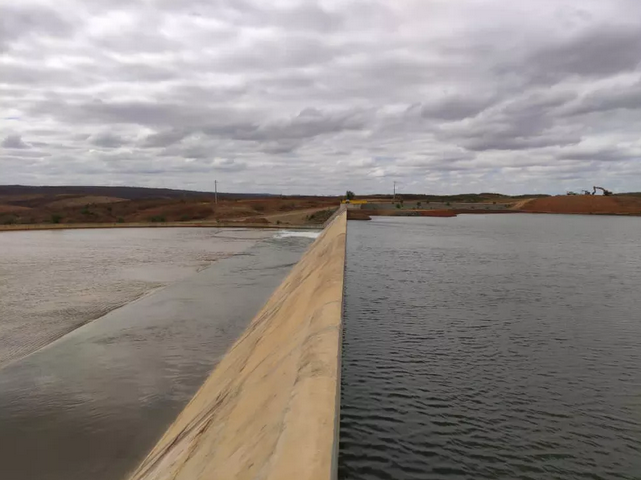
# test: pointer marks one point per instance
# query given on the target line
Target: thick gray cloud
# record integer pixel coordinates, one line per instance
(605, 50)
(108, 140)
(13, 141)
(20, 20)
(317, 96)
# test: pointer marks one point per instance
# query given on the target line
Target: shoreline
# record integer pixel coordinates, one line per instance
(77, 226)
(353, 214)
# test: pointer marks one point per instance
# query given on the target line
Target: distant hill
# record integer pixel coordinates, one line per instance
(30, 205)
(128, 193)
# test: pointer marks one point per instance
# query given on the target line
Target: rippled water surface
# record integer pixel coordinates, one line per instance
(492, 347)
(52, 282)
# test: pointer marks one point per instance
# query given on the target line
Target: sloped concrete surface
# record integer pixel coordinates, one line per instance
(269, 410)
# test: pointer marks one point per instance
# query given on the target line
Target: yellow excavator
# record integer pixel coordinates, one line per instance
(607, 193)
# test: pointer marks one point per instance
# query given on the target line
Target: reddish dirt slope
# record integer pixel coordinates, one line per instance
(585, 204)
(13, 209)
(94, 209)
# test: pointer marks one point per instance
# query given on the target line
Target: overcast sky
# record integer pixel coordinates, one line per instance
(441, 96)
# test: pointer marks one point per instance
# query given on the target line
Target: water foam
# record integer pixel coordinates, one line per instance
(297, 233)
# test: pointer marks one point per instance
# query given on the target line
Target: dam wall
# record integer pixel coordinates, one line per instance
(270, 409)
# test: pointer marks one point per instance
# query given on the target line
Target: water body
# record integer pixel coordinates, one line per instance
(93, 403)
(52, 282)
(492, 347)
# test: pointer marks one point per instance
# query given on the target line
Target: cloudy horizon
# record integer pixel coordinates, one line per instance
(316, 97)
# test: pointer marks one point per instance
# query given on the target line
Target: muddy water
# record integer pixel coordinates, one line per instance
(92, 404)
(52, 282)
(492, 347)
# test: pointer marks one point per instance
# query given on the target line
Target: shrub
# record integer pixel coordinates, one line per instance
(158, 219)
(398, 205)
(56, 218)
(350, 195)
(321, 216)
(121, 220)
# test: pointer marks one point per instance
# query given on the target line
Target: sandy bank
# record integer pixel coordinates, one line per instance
(270, 408)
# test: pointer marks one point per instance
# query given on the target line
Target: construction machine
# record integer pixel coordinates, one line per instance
(607, 193)
(586, 192)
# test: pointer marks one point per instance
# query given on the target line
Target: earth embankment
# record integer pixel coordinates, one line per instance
(584, 204)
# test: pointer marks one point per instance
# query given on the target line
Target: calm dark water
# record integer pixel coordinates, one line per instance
(91, 405)
(492, 347)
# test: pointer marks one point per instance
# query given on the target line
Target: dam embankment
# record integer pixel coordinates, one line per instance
(270, 408)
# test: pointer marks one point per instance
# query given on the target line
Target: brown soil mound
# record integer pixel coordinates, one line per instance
(585, 204)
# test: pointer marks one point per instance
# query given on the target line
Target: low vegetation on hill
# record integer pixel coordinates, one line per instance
(38, 205)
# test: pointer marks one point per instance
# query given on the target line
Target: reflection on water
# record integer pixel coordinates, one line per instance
(498, 347)
(92, 404)
(51, 282)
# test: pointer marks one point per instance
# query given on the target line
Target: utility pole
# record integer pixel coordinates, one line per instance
(394, 190)
(216, 192)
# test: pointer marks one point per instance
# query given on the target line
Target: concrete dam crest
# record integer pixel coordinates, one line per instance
(270, 409)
